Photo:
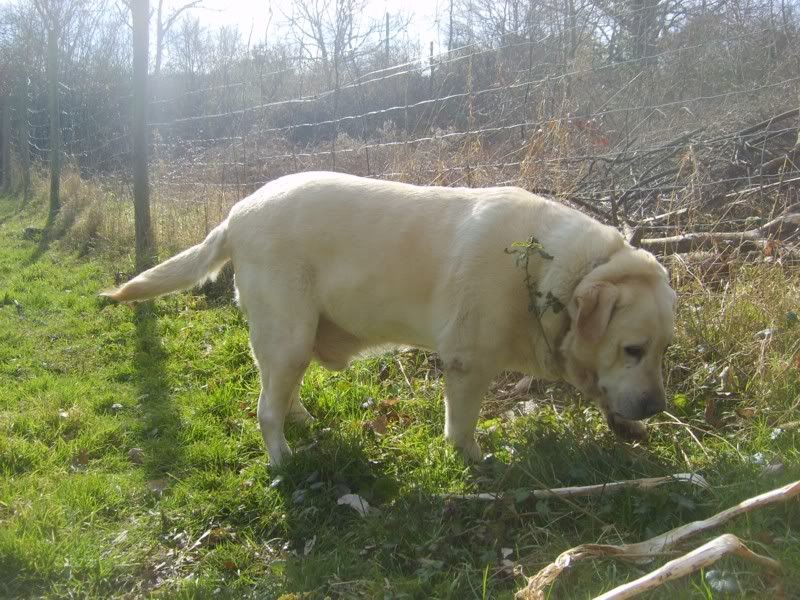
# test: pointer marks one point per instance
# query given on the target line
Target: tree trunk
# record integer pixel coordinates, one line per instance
(159, 40)
(23, 138)
(145, 247)
(5, 146)
(55, 120)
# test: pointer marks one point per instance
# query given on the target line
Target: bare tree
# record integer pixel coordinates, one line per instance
(57, 15)
(331, 30)
(163, 26)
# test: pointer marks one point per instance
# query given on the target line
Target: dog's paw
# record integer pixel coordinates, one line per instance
(471, 451)
(298, 414)
(632, 431)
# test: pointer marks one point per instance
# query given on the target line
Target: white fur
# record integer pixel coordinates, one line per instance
(328, 265)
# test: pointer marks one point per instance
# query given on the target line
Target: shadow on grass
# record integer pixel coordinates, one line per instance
(161, 421)
(48, 235)
(420, 539)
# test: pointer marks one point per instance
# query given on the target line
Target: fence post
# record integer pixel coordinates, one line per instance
(386, 41)
(23, 137)
(5, 145)
(145, 246)
(432, 65)
(54, 138)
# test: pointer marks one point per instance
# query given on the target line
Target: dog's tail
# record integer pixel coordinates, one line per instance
(183, 271)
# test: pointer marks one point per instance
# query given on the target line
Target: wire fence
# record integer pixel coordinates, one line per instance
(667, 133)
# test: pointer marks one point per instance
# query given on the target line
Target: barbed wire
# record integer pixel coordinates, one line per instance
(451, 125)
(311, 98)
(482, 131)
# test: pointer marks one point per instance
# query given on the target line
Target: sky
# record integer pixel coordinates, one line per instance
(255, 15)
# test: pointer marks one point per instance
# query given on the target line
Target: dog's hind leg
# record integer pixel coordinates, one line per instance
(283, 354)
(465, 387)
(298, 412)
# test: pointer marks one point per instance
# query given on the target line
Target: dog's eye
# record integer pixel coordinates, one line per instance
(636, 352)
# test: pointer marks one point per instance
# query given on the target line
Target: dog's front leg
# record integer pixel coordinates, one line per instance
(465, 388)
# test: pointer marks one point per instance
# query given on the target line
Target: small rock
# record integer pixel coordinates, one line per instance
(116, 407)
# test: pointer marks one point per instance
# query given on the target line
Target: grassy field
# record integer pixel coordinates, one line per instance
(131, 463)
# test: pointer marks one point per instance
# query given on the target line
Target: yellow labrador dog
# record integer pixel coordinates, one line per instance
(328, 266)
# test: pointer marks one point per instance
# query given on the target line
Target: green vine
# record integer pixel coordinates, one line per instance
(522, 252)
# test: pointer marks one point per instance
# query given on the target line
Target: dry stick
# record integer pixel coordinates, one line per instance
(688, 242)
(705, 555)
(646, 483)
(759, 126)
(760, 188)
(535, 590)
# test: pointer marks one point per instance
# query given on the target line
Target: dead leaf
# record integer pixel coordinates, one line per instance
(80, 460)
(378, 424)
(136, 455)
(774, 468)
(746, 412)
(217, 535)
(158, 486)
(356, 502)
(309, 545)
(121, 537)
(725, 380)
(522, 387)
(710, 414)
(229, 565)
(247, 410)
(389, 402)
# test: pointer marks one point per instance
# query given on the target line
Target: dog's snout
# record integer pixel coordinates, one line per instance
(652, 405)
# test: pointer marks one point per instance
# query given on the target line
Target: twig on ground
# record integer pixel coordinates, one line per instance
(688, 242)
(677, 421)
(645, 551)
(705, 555)
(591, 490)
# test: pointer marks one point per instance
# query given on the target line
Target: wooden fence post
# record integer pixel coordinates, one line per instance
(5, 146)
(54, 139)
(24, 137)
(145, 246)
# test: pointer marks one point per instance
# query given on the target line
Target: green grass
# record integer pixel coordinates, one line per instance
(84, 381)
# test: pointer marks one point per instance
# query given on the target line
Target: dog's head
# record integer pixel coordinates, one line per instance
(622, 320)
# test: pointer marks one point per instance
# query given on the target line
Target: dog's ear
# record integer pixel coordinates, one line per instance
(594, 304)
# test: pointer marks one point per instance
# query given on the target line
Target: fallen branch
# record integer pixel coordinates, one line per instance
(705, 555)
(656, 546)
(767, 123)
(689, 242)
(647, 483)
